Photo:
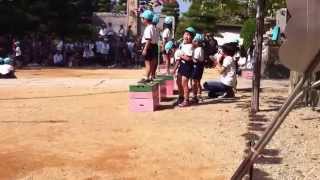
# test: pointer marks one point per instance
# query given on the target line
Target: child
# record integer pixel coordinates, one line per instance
(227, 70)
(170, 49)
(198, 67)
(149, 41)
(185, 66)
(166, 37)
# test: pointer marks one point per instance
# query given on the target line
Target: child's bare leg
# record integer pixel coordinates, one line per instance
(179, 84)
(195, 88)
(185, 85)
(199, 88)
(167, 62)
(148, 69)
(153, 68)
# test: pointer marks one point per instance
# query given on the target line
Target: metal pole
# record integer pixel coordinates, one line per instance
(277, 121)
(258, 56)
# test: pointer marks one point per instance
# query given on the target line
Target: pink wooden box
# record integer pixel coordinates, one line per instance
(162, 91)
(169, 87)
(163, 69)
(142, 105)
(248, 74)
(152, 96)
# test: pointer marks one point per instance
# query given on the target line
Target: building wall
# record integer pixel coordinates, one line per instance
(105, 18)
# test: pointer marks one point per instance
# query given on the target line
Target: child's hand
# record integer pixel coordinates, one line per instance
(144, 52)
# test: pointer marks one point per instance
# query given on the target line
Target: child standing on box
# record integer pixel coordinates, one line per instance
(198, 67)
(149, 42)
(166, 37)
(185, 66)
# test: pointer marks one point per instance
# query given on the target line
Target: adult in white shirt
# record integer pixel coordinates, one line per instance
(228, 78)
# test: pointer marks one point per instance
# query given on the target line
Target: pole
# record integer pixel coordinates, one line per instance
(138, 19)
(258, 56)
(279, 118)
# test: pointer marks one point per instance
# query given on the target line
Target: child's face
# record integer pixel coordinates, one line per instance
(145, 22)
(187, 37)
(172, 51)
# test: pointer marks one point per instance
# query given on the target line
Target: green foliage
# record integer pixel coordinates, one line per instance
(273, 5)
(44, 16)
(248, 31)
(171, 9)
(103, 5)
(201, 16)
(121, 6)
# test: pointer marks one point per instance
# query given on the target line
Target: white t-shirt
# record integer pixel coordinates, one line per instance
(166, 35)
(187, 49)
(18, 51)
(149, 34)
(103, 32)
(229, 75)
(57, 58)
(60, 46)
(177, 54)
(198, 55)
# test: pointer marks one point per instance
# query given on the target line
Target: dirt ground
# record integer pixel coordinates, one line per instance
(74, 124)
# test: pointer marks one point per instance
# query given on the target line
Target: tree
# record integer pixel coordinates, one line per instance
(103, 5)
(171, 8)
(60, 16)
(247, 32)
(201, 16)
(121, 6)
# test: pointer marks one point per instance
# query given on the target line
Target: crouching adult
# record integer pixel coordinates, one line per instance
(225, 64)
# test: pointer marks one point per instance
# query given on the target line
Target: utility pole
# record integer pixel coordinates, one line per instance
(133, 16)
(258, 56)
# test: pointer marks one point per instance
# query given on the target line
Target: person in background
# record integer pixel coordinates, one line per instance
(129, 32)
(18, 54)
(210, 48)
(103, 31)
(149, 42)
(166, 37)
(131, 49)
(110, 31)
(58, 59)
(171, 51)
(121, 31)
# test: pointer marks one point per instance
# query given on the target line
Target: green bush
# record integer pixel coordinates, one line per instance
(247, 32)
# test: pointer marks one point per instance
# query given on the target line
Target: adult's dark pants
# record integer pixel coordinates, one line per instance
(216, 88)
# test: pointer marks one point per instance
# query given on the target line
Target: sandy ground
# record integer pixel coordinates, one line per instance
(71, 124)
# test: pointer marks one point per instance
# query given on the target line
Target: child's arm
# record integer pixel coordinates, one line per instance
(186, 58)
(176, 65)
(146, 47)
